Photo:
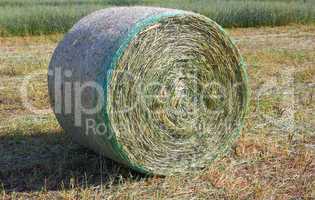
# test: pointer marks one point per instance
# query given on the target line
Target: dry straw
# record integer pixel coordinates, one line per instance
(175, 97)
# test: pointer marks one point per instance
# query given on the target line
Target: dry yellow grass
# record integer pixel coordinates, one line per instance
(273, 159)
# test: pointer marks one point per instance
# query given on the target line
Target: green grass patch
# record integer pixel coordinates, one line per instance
(34, 17)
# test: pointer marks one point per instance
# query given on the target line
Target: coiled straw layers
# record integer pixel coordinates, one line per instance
(175, 88)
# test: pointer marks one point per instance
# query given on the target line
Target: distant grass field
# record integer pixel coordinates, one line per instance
(36, 17)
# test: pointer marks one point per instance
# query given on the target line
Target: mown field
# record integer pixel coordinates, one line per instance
(273, 159)
(35, 17)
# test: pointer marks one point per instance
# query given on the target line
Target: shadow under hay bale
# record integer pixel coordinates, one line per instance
(51, 161)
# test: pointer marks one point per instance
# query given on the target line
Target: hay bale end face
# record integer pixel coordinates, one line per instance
(162, 91)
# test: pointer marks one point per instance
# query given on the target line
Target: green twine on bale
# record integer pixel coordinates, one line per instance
(154, 164)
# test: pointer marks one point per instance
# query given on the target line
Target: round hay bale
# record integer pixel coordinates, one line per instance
(162, 91)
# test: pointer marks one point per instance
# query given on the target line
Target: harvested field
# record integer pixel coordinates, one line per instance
(274, 158)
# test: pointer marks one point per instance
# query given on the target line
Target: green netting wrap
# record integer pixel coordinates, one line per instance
(162, 91)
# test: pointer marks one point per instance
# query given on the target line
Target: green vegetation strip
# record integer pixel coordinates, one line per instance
(33, 17)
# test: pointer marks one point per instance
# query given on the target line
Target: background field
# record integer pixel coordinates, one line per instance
(273, 159)
(25, 17)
